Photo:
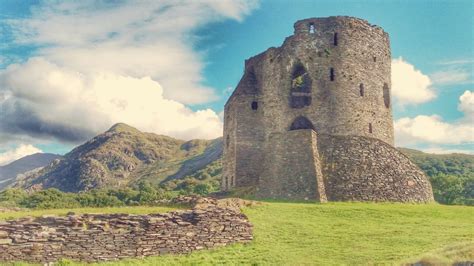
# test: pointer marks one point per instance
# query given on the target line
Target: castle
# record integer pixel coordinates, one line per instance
(312, 120)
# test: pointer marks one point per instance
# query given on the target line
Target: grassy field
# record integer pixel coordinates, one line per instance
(338, 234)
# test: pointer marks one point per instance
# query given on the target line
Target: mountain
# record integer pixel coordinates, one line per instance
(121, 157)
(28, 163)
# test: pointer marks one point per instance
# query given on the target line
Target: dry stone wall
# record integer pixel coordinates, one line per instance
(365, 169)
(107, 237)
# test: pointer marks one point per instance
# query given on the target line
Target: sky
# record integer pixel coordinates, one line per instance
(69, 70)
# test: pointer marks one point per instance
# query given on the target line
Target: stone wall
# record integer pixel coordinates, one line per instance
(106, 237)
(365, 169)
(297, 175)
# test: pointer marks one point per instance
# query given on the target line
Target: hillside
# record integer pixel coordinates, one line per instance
(122, 156)
(331, 234)
(434, 164)
(28, 163)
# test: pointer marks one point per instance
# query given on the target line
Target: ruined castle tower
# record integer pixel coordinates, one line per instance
(312, 119)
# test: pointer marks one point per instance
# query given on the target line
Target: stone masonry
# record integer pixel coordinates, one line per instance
(301, 120)
(104, 237)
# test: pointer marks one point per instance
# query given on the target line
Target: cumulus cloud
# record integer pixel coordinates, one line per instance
(72, 107)
(17, 153)
(130, 38)
(102, 62)
(410, 85)
(433, 129)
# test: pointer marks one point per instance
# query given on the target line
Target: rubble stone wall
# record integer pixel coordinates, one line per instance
(91, 238)
(357, 168)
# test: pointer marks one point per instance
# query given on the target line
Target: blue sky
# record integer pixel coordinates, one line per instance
(168, 66)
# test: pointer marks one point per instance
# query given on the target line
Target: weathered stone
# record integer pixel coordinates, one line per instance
(50, 238)
(302, 112)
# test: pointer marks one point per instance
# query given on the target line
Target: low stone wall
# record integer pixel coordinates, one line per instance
(105, 237)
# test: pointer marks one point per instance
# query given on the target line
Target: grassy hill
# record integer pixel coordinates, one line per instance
(121, 157)
(340, 234)
(434, 164)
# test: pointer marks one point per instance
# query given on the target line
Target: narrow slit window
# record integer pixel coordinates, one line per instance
(370, 128)
(254, 105)
(335, 39)
(375, 59)
(311, 28)
(386, 95)
(331, 74)
(361, 90)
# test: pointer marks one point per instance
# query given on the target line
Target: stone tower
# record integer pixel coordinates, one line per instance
(312, 119)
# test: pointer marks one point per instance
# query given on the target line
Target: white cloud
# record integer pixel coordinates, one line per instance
(432, 129)
(410, 85)
(451, 76)
(466, 105)
(131, 38)
(102, 62)
(17, 153)
(71, 106)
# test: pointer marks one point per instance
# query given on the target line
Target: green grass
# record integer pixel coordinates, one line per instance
(340, 234)
(62, 212)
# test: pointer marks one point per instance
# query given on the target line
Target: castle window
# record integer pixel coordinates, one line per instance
(386, 95)
(301, 122)
(335, 39)
(312, 30)
(375, 59)
(361, 90)
(300, 92)
(254, 105)
(331, 74)
(227, 140)
(370, 128)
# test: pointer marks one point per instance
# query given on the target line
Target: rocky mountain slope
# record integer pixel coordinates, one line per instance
(122, 156)
(9, 172)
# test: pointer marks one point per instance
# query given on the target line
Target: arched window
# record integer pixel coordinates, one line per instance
(361, 89)
(300, 92)
(331, 74)
(335, 39)
(301, 122)
(312, 30)
(386, 95)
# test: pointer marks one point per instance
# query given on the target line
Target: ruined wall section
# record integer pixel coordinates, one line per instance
(293, 169)
(92, 238)
(243, 133)
(366, 169)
